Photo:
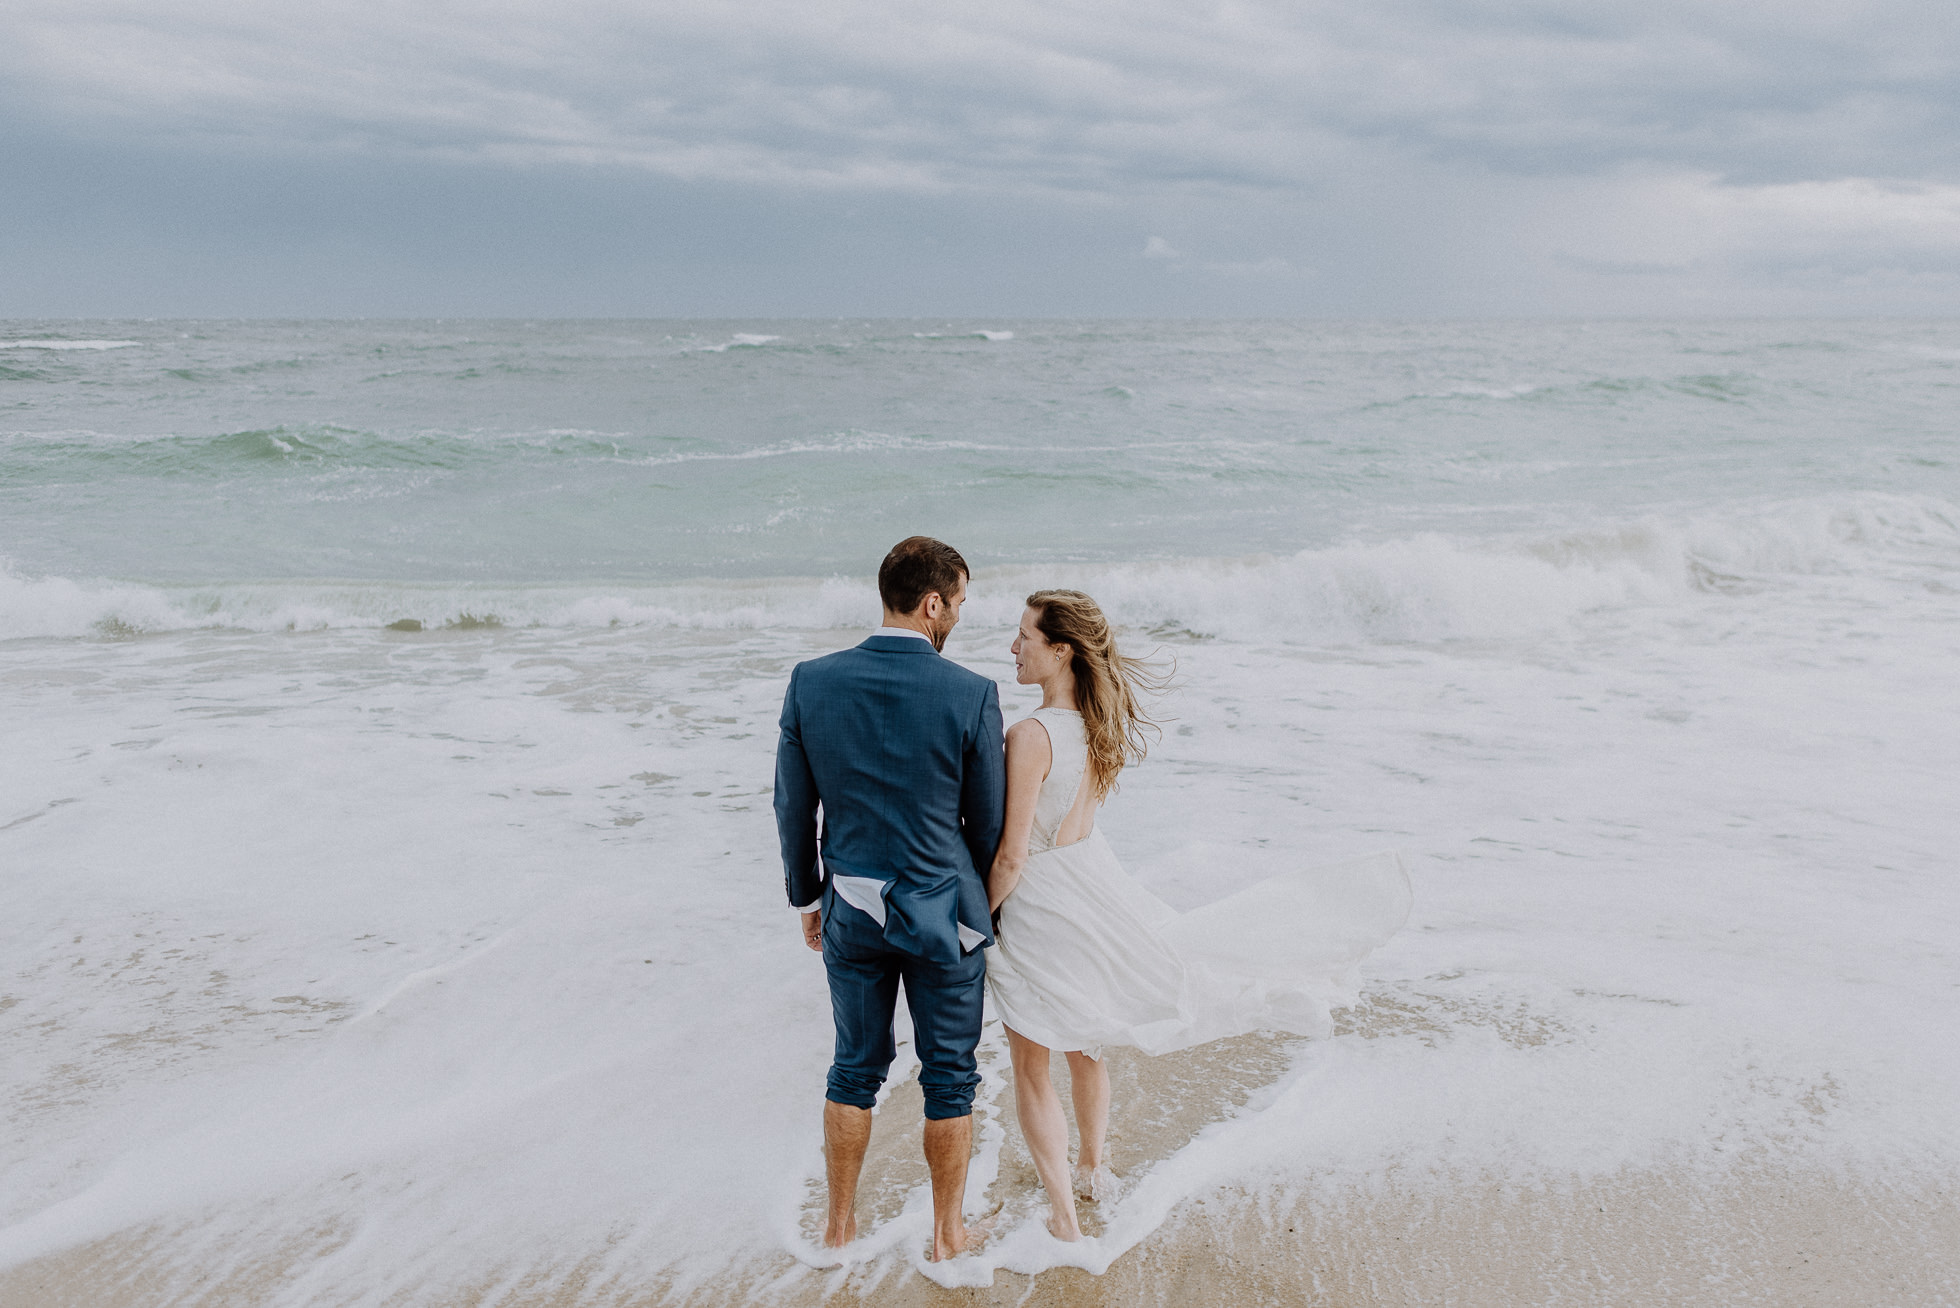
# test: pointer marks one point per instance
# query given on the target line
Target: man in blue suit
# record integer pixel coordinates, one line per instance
(901, 750)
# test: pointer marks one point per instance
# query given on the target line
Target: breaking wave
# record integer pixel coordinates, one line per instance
(1420, 588)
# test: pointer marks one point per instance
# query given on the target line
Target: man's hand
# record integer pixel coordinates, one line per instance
(813, 929)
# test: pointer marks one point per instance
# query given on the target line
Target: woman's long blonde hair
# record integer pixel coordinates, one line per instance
(1108, 686)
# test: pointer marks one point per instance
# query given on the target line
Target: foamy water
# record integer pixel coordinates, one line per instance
(385, 822)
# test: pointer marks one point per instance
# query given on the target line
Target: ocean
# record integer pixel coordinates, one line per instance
(384, 813)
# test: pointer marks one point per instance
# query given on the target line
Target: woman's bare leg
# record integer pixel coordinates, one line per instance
(1088, 1084)
(1043, 1125)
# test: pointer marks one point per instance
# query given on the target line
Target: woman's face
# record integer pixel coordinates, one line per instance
(1035, 660)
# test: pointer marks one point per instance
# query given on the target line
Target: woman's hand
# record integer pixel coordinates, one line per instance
(1006, 874)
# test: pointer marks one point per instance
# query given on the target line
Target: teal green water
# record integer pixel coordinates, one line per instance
(559, 452)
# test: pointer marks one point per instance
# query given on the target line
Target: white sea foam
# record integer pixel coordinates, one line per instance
(1424, 588)
(850, 442)
(473, 948)
(58, 606)
(739, 341)
(67, 345)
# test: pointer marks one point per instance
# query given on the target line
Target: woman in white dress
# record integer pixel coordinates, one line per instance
(1085, 958)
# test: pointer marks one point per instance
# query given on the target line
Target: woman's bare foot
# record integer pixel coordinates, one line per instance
(1096, 1184)
(1063, 1226)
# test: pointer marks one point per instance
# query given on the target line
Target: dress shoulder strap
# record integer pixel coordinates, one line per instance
(1059, 721)
(1066, 734)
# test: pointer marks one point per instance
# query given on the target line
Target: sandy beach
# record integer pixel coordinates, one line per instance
(1758, 1229)
(1760, 1235)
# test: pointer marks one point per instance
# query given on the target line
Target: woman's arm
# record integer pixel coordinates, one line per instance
(1028, 756)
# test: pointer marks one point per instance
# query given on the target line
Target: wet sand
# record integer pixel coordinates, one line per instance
(1759, 1230)
(1758, 1237)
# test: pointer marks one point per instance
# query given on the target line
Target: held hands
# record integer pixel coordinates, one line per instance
(1006, 874)
(813, 929)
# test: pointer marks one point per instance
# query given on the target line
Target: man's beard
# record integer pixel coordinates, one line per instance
(938, 634)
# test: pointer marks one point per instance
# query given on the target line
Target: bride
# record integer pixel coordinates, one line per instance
(1085, 958)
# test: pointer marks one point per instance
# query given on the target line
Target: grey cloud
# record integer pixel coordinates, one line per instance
(895, 156)
(1083, 98)
(1623, 267)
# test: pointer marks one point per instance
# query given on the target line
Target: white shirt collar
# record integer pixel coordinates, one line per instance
(903, 631)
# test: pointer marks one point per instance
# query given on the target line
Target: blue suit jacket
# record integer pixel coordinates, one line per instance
(903, 750)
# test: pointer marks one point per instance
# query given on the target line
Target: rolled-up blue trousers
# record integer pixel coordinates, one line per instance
(945, 1000)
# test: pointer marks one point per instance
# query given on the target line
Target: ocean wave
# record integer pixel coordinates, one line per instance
(845, 442)
(1420, 588)
(1436, 588)
(297, 444)
(67, 345)
(43, 607)
(739, 341)
(327, 443)
(1722, 388)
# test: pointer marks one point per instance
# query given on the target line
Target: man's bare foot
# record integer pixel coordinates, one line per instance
(972, 1236)
(836, 1236)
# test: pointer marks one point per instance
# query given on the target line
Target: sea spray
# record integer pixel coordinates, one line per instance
(1428, 587)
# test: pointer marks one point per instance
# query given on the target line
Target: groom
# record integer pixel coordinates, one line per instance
(902, 750)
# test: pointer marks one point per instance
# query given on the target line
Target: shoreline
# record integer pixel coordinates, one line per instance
(1762, 1234)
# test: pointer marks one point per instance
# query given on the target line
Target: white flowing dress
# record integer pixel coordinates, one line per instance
(1084, 957)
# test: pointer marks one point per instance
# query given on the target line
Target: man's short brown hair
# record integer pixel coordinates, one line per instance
(917, 567)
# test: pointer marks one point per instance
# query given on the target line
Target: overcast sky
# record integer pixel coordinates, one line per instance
(948, 158)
